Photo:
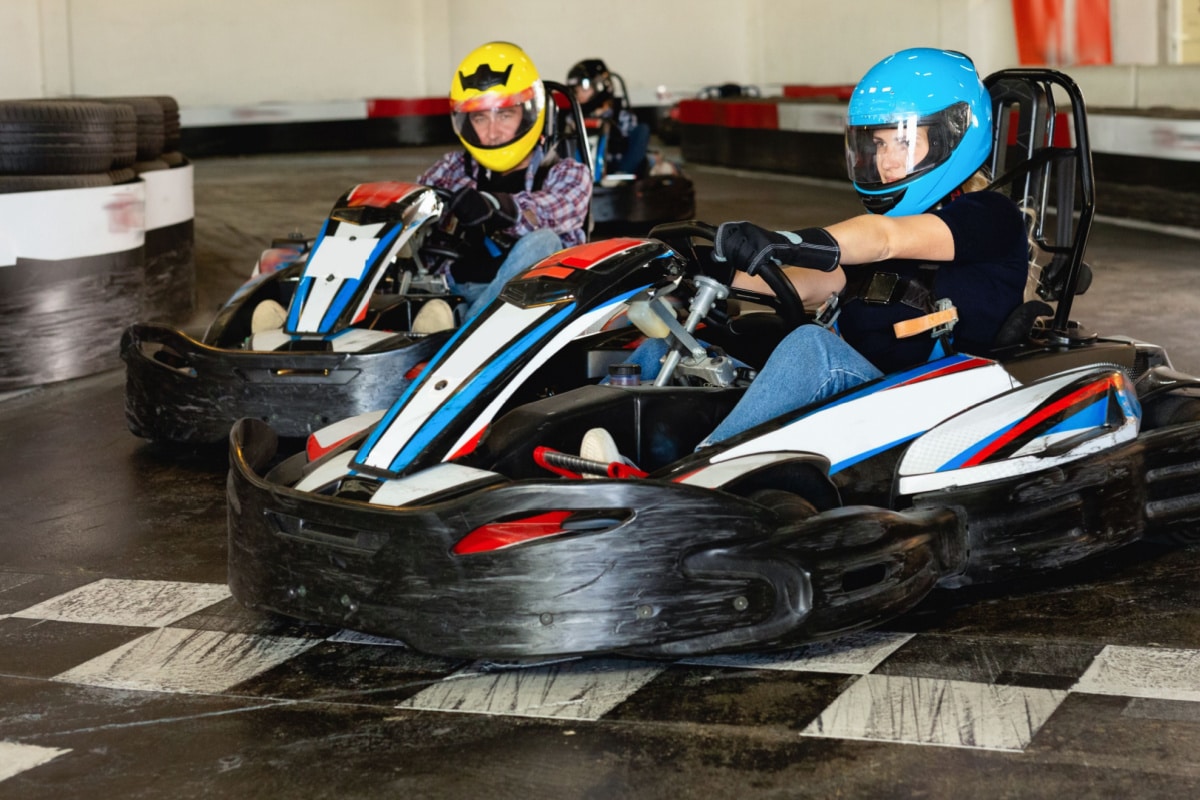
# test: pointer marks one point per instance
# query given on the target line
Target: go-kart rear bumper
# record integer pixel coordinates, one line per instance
(197, 393)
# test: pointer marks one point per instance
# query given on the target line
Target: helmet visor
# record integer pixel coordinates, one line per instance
(494, 119)
(903, 148)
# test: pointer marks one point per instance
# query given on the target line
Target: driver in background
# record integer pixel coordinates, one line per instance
(518, 200)
(918, 137)
(628, 139)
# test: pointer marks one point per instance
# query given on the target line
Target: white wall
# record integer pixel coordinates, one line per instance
(243, 52)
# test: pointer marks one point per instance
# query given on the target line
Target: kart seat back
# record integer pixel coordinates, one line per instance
(1041, 158)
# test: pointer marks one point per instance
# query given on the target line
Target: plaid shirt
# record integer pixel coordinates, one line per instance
(561, 204)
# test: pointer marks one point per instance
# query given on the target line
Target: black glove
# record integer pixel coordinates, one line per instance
(474, 208)
(747, 247)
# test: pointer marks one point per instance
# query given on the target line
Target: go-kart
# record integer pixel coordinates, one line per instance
(463, 524)
(345, 345)
(631, 203)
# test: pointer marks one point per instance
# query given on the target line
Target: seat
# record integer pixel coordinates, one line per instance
(1041, 158)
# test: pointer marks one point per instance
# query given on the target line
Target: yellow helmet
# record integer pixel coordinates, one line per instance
(498, 105)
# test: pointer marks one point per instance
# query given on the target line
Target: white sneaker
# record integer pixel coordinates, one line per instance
(436, 315)
(268, 315)
(598, 445)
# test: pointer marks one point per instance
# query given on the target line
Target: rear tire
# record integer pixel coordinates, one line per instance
(787, 505)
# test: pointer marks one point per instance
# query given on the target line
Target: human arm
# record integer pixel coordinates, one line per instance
(449, 172)
(561, 204)
(863, 239)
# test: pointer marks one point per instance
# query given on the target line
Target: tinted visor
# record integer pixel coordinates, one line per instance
(904, 148)
(479, 119)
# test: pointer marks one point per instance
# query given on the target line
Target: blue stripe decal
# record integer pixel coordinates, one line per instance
(888, 382)
(302, 290)
(863, 456)
(1094, 416)
(344, 295)
(415, 384)
(472, 389)
(462, 397)
(970, 452)
(305, 285)
(351, 285)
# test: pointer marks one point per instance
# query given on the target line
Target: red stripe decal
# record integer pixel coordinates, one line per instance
(1072, 399)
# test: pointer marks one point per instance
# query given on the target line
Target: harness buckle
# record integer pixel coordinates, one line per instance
(882, 288)
(827, 313)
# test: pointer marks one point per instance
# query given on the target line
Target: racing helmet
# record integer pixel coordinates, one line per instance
(591, 73)
(926, 108)
(497, 81)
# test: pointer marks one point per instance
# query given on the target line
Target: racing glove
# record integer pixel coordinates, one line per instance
(747, 247)
(474, 208)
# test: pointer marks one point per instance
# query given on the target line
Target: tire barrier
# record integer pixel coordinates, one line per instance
(97, 231)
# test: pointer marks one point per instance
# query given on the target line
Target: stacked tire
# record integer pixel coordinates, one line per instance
(96, 231)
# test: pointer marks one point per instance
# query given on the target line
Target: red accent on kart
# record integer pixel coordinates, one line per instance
(470, 445)
(380, 194)
(313, 449)
(1075, 398)
(619, 469)
(589, 255)
(593, 123)
(415, 371)
(547, 271)
(946, 370)
(498, 535)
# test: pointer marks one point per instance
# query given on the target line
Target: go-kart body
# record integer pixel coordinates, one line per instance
(344, 346)
(455, 522)
(630, 204)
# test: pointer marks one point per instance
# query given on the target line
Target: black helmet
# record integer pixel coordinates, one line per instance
(593, 74)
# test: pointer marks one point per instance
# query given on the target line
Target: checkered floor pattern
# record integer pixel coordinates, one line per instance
(163, 636)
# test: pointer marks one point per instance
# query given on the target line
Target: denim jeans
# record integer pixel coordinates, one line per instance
(528, 250)
(810, 364)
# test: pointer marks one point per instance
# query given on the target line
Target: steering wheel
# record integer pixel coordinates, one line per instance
(681, 237)
(442, 240)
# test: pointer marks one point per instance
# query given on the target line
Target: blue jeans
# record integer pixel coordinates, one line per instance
(528, 250)
(810, 364)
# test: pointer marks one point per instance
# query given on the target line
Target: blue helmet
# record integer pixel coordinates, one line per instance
(919, 124)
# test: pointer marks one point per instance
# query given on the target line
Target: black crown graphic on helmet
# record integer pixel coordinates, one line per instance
(484, 78)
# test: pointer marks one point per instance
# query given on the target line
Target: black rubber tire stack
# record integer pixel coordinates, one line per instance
(168, 293)
(55, 144)
(62, 319)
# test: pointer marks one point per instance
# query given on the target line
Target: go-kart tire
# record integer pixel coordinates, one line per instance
(788, 505)
(12, 184)
(55, 137)
(171, 126)
(150, 132)
(124, 136)
(123, 175)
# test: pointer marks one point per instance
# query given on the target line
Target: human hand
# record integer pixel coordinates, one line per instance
(473, 207)
(746, 246)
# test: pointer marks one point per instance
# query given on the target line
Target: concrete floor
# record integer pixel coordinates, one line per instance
(126, 669)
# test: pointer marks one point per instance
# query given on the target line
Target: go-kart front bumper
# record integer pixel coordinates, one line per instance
(643, 567)
(178, 389)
